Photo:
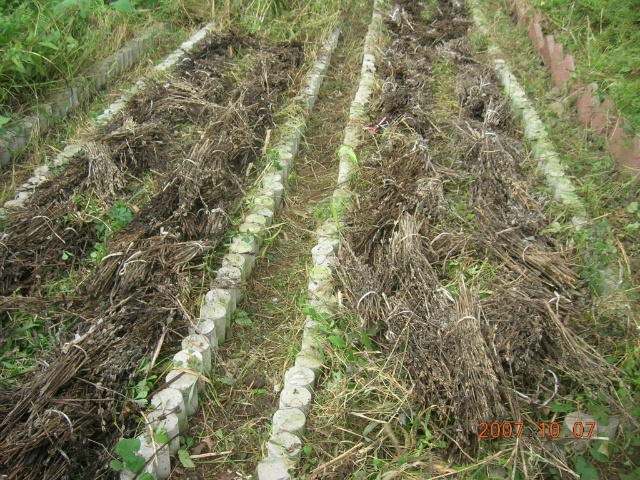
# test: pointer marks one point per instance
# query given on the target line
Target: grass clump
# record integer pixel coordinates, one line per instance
(45, 43)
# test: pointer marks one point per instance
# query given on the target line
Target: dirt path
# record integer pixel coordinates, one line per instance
(256, 356)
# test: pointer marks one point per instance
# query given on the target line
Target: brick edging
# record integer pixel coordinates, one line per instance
(600, 116)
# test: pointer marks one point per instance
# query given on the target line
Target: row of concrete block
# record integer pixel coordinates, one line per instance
(544, 152)
(59, 105)
(40, 174)
(289, 421)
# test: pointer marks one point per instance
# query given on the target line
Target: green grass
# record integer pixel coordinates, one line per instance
(604, 36)
(286, 19)
(45, 43)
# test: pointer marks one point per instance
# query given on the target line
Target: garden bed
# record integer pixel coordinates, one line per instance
(116, 246)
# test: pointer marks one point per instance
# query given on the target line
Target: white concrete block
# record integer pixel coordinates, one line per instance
(300, 377)
(207, 328)
(273, 468)
(168, 422)
(266, 202)
(216, 312)
(189, 359)
(285, 445)
(310, 361)
(160, 460)
(248, 239)
(246, 250)
(262, 212)
(239, 261)
(278, 191)
(323, 255)
(170, 401)
(231, 278)
(187, 385)
(295, 397)
(257, 219)
(290, 420)
(201, 344)
(224, 298)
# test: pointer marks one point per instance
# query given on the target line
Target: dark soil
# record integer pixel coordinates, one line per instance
(191, 140)
(450, 240)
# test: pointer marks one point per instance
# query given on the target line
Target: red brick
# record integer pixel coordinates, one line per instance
(576, 84)
(535, 34)
(601, 122)
(586, 105)
(618, 139)
(547, 49)
(630, 158)
(523, 13)
(556, 60)
(563, 72)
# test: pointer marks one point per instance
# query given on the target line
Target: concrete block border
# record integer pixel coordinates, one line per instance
(600, 116)
(288, 426)
(40, 174)
(172, 405)
(59, 105)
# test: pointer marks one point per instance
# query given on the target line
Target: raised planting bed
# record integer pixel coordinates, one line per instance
(104, 257)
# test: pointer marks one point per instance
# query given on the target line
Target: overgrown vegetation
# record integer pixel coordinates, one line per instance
(437, 179)
(157, 183)
(45, 43)
(604, 36)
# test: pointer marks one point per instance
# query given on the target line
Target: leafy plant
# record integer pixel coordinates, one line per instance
(127, 449)
(242, 318)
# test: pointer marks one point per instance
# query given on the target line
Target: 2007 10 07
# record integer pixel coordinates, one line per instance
(514, 429)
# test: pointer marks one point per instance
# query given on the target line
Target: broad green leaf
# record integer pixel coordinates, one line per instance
(185, 459)
(337, 341)
(62, 6)
(134, 463)
(122, 6)
(365, 339)
(126, 448)
(49, 45)
(226, 380)
(19, 65)
(244, 321)
(599, 451)
(116, 465)
(4, 120)
(585, 470)
(560, 407)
